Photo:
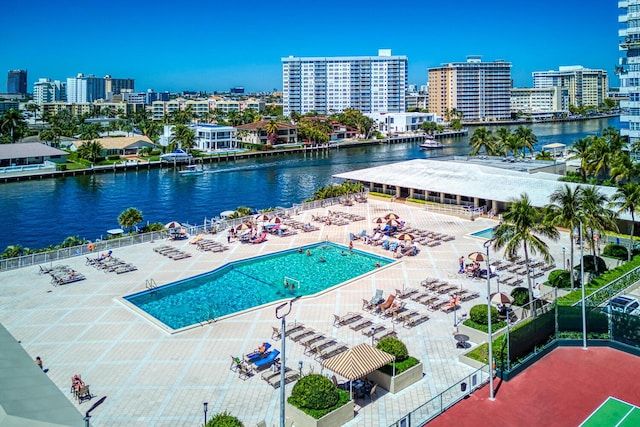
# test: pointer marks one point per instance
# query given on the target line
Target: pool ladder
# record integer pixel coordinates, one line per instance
(150, 284)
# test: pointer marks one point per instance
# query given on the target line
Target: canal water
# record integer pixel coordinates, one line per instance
(36, 214)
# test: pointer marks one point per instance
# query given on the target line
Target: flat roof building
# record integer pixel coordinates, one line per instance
(628, 69)
(577, 85)
(334, 84)
(17, 82)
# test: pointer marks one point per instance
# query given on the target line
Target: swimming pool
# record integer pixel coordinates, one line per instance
(486, 234)
(246, 284)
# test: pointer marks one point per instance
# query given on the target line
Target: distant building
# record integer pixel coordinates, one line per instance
(334, 84)
(418, 101)
(17, 82)
(160, 109)
(120, 146)
(577, 85)
(237, 91)
(402, 122)
(117, 86)
(9, 105)
(538, 102)
(45, 90)
(81, 89)
(256, 133)
(628, 69)
(480, 91)
(209, 137)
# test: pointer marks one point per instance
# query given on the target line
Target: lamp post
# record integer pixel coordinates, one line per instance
(95, 405)
(283, 316)
(205, 405)
(564, 262)
(373, 330)
(584, 313)
(487, 244)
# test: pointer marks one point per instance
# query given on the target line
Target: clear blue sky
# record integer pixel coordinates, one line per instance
(212, 45)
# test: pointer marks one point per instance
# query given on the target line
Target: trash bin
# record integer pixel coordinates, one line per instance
(463, 387)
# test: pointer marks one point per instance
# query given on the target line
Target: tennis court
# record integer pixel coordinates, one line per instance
(614, 412)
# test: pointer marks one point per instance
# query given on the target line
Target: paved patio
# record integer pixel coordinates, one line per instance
(154, 378)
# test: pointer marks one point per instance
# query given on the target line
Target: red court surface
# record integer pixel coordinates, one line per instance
(562, 389)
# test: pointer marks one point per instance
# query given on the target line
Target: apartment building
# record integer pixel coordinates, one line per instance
(333, 84)
(45, 90)
(83, 89)
(480, 91)
(628, 69)
(536, 101)
(578, 85)
(17, 82)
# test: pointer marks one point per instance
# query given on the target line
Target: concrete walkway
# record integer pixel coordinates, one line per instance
(154, 378)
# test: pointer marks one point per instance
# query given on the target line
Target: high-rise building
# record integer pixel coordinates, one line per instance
(629, 69)
(334, 84)
(116, 86)
(477, 90)
(44, 90)
(82, 89)
(577, 85)
(17, 82)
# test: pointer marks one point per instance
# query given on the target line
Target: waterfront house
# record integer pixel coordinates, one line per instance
(119, 146)
(256, 133)
(29, 153)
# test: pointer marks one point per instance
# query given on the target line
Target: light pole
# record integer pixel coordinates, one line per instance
(205, 405)
(283, 333)
(487, 244)
(95, 405)
(564, 262)
(584, 315)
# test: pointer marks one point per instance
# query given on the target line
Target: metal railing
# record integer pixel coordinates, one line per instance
(608, 291)
(449, 397)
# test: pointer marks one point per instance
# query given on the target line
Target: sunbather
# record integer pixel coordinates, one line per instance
(76, 383)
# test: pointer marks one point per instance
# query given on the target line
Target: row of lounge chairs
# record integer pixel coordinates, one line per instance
(111, 264)
(171, 252)
(274, 377)
(316, 344)
(347, 216)
(62, 275)
(208, 245)
(298, 225)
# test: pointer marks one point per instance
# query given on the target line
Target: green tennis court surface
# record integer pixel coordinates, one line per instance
(614, 412)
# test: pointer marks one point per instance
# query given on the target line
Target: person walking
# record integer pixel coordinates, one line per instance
(39, 362)
(461, 262)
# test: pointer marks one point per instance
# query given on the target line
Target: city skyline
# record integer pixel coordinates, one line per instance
(244, 46)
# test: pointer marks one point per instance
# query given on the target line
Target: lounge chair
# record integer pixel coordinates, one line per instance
(289, 376)
(83, 394)
(385, 305)
(331, 351)
(267, 360)
(377, 298)
(304, 332)
(245, 371)
(413, 319)
(346, 319)
(260, 239)
(258, 353)
(361, 324)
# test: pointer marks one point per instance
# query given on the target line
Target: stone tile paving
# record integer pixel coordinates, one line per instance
(152, 377)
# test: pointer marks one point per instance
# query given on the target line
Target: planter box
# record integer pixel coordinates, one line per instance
(336, 418)
(400, 381)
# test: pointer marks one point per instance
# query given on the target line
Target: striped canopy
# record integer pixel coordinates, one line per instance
(358, 361)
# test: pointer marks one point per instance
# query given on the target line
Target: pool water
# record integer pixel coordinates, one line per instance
(253, 282)
(487, 234)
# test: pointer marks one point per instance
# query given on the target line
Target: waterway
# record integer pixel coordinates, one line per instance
(36, 214)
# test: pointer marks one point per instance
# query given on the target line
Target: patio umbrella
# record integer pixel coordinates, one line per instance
(173, 224)
(244, 226)
(378, 221)
(357, 362)
(276, 220)
(393, 222)
(477, 257)
(391, 216)
(262, 217)
(500, 298)
(406, 237)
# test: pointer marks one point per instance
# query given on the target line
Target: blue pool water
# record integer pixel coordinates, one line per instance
(250, 283)
(487, 233)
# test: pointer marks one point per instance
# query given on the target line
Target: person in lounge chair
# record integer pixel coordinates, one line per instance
(76, 383)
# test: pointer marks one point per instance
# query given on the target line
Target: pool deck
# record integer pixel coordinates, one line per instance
(155, 378)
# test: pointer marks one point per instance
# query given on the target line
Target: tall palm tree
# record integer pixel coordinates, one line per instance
(627, 198)
(481, 138)
(183, 137)
(580, 150)
(502, 137)
(129, 218)
(521, 226)
(526, 138)
(596, 217)
(623, 169)
(272, 131)
(565, 208)
(600, 157)
(12, 125)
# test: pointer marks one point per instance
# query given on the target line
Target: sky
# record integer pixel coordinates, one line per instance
(212, 46)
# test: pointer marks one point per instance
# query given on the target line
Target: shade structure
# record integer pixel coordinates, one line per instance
(276, 220)
(406, 237)
(243, 227)
(500, 298)
(173, 224)
(391, 216)
(393, 222)
(379, 221)
(358, 361)
(262, 217)
(477, 257)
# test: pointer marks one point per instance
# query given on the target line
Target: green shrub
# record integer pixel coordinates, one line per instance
(589, 265)
(478, 314)
(314, 392)
(394, 347)
(224, 420)
(113, 157)
(409, 362)
(559, 279)
(520, 296)
(615, 251)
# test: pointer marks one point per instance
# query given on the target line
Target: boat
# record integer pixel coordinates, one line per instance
(176, 156)
(430, 144)
(191, 170)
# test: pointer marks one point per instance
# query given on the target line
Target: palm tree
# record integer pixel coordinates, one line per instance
(90, 150)
(272, 131)
(600, 157)
(565, 208)
(89, 131)
(481, 138)
(526, 138)
(522, 223)
(627, 198)
(580, 150)
(12, 125)
(129, 218)
(623, 169)
(503, 135)
(596, 217)
(184, 137)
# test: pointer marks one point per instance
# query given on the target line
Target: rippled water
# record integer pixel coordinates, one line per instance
(37, 214)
